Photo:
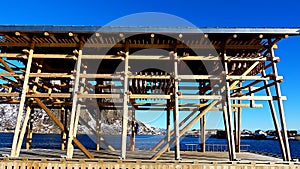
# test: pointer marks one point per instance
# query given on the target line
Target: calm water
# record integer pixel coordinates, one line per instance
(146, 142)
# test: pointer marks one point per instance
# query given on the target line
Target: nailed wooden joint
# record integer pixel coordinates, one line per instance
(76, 52)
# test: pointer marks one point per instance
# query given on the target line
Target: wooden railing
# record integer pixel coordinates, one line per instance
(213, 147)
(136, 164)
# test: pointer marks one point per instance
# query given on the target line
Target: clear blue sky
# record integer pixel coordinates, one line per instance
(219, 13)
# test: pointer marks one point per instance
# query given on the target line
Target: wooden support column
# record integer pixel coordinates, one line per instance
(168, 124)
(202, 133)
(133, 131)
(70, 147)
(275, 119)
(63, 119)
(125, 107)
(94, 132)
(176, 106)
(98, 130)
(172, 131)
(226, 125)
(280, 106)
(61, 126)
(29, 131)
(79, 104)
(231, 146)
(184, 130)
(14, 150)
(23, 130)
(239, 124)
(29, 127)
(202, 121)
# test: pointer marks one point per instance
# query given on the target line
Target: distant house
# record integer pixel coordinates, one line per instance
(292, 133)
(221, 134)
(260, 134)
(272, 133)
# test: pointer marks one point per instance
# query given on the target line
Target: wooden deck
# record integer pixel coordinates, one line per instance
(143, 155)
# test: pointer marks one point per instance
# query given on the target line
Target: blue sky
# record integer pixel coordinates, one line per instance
(218, 13)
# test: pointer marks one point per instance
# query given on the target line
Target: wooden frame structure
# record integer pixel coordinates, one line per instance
(243, 64)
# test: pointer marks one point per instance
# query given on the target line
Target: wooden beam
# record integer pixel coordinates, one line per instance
(202, 133)
(61, 126)
(110, 147)
(228, 121)
(125, 108)
(168, 132)
(70, 147)
(275, 120)
(245, 73)
(14, 149)
(280, 108)
(175, 100)
(184, 130)
(23, 130)
(194, 111)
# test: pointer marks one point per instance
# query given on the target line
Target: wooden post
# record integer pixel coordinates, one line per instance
(280, 106)
(29, 127)
(226, 125)
(239, 121)
(98, 129)
(125, 107)
(232, 155)
(23, 130)
(133, 131)
(29, 131)
(70, 147)
(172, 131)
(81, 91)
(184, 130)
(60, 125)
(168, 124)
(14, 150)
(202, 131)
(63, 119)
(176, 107)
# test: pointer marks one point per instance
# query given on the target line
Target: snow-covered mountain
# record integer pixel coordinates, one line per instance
(111, 124)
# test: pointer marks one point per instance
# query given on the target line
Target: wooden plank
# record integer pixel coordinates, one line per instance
(258, 98)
